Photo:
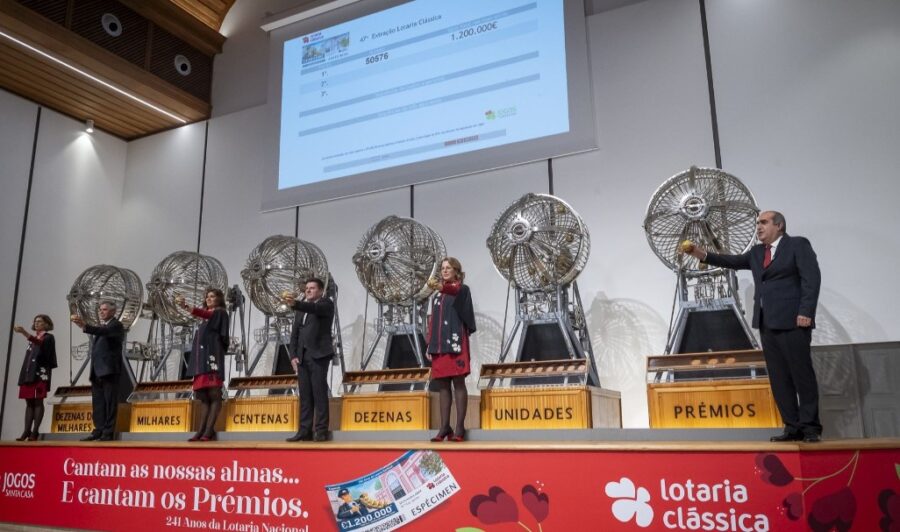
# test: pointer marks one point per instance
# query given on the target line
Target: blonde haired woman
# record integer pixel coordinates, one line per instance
(451, 322)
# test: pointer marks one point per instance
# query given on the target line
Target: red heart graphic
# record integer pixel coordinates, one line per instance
(536, 503)
(495, 507)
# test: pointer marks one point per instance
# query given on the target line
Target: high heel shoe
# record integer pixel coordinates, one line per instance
(208, 437)
(196, 437)
(458, 437)
(34, 436)
(25, 435)
(443, 434)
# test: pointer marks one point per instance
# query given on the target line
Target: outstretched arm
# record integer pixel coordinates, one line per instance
(113, 328)
(322, 307)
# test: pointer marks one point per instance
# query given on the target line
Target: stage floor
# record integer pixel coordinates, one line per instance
(586, 439)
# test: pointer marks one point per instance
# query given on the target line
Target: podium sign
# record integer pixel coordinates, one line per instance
(162, 416)
(713, 404)
(72, 418)
(564, 407)
(386, 411)
(75, 418)
(262, 414)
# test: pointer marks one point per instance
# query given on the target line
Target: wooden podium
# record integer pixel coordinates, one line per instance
(366, 408)
(723, 389)
(566, 404)
(163, 406)
(73, 412)
(263, 404)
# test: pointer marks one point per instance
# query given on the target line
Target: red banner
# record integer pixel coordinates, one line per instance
(267, 490)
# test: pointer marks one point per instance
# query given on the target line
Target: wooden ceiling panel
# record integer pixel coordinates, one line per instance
(209, 12)
(45, 81)
(80, 101)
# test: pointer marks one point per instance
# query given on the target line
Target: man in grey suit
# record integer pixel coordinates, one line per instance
(787, 278)
(312, 348)
(106, 364)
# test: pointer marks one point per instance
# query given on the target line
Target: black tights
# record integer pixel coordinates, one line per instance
(460, 397)
(34, 414)
(210, 405)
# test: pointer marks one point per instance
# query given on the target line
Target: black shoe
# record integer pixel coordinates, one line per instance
(301, 436)
(321, 436)
(787, 437)
(91, 437)
(811, 438)
(106, 437)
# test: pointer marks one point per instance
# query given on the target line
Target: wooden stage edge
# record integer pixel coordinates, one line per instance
(619, 446)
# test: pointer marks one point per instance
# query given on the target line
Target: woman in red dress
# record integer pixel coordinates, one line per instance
(451, 322)
(34, 378)
(207, 362)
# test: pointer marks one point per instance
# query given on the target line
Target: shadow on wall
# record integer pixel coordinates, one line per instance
(840, 321)
(623, 333)
(485, 347)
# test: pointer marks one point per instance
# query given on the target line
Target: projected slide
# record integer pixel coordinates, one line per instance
(423, 80)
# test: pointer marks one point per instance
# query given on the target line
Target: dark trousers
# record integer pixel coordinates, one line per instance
(793, 380)
(105, 402)
(312, 380)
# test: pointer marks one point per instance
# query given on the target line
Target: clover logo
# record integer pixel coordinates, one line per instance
(630, 503)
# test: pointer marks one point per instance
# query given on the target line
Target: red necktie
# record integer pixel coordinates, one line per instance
(767, 259)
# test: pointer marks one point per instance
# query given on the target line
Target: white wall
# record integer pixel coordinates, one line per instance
(232, 223)
(807, 115)
(807, 95)
(16, 139)
(76, 202)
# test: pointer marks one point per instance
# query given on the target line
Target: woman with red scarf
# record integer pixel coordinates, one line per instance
(451, 322)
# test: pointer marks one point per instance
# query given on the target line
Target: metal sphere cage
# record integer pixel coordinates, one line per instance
(106, 283)
(707, 206)
(539, 243)
(188, 274)
(281, 264)
(396, 257)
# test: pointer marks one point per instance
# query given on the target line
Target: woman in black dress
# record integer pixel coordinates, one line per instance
(451, 322)
(207, 362)
(34, 378)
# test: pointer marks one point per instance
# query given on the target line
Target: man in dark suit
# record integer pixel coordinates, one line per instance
(312, 348)
(106, 364)
(787, 279)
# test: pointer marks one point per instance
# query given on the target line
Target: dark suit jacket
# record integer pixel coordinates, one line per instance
(788, 288)
(312, 338)
(106, 351)
(40, 359)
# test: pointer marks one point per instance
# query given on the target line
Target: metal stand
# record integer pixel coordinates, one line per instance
(396, 320)
(562, 308)
(332, 293)
(165, 343)
(714, 292)
(236, 306)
